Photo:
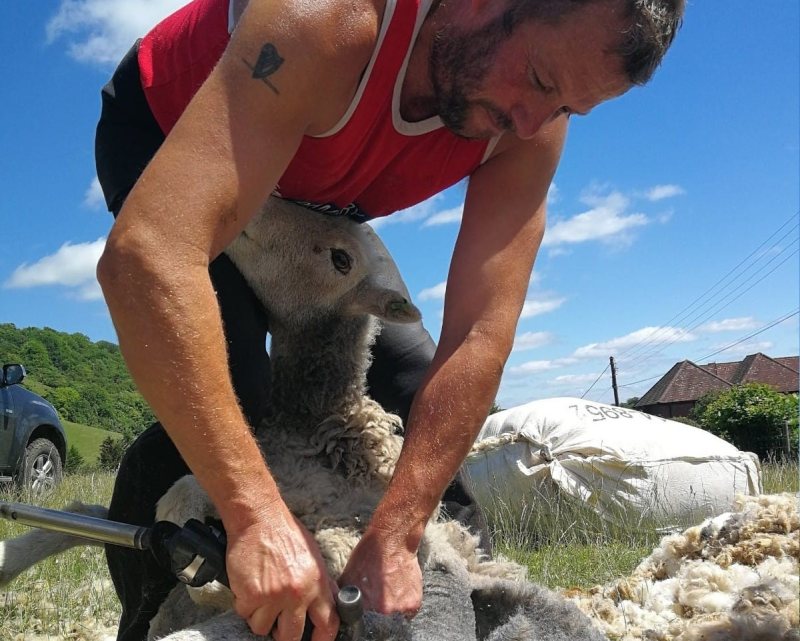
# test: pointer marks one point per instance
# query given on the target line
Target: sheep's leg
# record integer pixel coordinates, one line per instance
(447, 613)
(224, 627)
(183, 501)
(23, 552)
(523, 611)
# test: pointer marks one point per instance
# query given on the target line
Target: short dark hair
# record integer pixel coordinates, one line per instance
(652, 25)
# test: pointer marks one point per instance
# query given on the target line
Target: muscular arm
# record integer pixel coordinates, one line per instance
(215, 168)
(501, 230)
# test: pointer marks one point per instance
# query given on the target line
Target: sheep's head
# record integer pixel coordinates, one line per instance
(303, 264)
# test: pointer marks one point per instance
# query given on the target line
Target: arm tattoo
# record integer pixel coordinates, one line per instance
(269, 61)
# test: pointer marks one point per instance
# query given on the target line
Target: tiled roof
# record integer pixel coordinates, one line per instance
(686, 381)
(758, 368)
(725, 371)
(792, 362)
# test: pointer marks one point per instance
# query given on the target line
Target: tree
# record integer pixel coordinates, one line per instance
(111, 451)
(86, 382)
(631, 402)
(68, 402)
(753, 417)
(75, 461)
(700, 405)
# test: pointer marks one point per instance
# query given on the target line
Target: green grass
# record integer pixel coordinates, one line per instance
(70, 598)
(87, 439)
(780, 476)
(564, 545)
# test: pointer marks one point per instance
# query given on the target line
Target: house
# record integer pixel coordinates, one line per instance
(677, 391)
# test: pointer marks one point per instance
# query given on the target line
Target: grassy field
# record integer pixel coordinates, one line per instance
(87, 439)
(563, 547)
(71, 597)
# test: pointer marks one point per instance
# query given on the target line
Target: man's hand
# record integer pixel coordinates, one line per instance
(387, 573)
(278, 577)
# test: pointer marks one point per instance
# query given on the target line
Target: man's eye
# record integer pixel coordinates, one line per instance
(535, 81)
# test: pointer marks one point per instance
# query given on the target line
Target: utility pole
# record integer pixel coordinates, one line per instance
(614, 382)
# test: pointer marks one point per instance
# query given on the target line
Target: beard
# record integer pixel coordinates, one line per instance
(458, 66)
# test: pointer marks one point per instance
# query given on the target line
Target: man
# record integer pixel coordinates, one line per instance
(367, 106)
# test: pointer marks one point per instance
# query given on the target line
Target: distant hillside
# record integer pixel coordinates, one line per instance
(87, 382)
(87, 440)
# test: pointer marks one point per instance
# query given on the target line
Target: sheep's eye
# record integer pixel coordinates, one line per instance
(341, 260)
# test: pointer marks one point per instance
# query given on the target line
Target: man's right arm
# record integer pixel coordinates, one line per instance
(214, 170)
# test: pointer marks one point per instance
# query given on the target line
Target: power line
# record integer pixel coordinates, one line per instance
(772, 324)
(702, 307)
(705, 301)
(763, 329)
(664, 344)
(652, 338)
(644, 380)
(595, 381)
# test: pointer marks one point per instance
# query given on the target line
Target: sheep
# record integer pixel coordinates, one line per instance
(732, 578)
(332, 450)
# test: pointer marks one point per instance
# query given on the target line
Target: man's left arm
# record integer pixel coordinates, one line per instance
(501, 230)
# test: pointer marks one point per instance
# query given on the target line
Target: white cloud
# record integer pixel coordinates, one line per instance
(533, 307)
(742, 349)
(412, 214)
(531, 340)
(445, 217)
(552, 194)
(93, 198)
(535, 367)
(433, 293)
(660, 192)
(730, 325)
(615, 345)
(102, 31)
(573, 379)
(605, 221)
(89, 291)
(71, 266)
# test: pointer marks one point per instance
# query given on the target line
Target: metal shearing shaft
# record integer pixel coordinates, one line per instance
(85, 527)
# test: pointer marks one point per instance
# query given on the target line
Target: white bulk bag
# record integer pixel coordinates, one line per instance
(617, 462)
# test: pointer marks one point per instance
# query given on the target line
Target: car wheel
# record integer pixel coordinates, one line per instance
(41, 467)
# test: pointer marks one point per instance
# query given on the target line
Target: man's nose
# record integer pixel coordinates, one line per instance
(528, 119)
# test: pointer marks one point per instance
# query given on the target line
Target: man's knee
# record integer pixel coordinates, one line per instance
(149, 467)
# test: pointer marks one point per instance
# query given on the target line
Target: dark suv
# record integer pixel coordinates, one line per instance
(33, 445)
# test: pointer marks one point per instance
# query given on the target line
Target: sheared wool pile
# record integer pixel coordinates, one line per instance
(732, 578)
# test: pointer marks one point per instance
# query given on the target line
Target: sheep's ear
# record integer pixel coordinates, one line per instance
(387, 304)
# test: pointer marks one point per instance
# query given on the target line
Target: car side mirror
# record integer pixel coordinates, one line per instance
(13, 374)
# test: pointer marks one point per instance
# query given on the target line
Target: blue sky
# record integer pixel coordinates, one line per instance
(672, 228)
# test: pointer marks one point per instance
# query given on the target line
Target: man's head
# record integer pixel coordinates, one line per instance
(651, 27)
(520, 64)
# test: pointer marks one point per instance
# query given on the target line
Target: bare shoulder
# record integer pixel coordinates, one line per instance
(321, 46)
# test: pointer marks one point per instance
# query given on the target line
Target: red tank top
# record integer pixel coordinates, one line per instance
(371, 158)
